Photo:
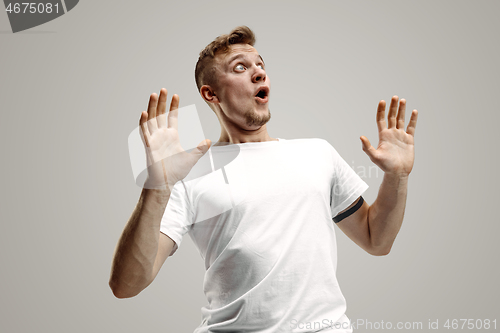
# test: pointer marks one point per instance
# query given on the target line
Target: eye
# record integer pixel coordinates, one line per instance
(239, 67)
(261, 66)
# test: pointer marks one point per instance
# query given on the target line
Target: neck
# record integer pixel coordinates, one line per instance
(241, 136)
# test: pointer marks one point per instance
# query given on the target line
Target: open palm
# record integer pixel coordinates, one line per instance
(167, 161)
(395, 152)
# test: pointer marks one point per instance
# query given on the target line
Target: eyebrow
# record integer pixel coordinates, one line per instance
(242, 56)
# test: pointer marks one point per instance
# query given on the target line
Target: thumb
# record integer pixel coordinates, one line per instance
(202, 148)
(367, 147)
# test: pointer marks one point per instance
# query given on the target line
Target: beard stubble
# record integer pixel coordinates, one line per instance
(254, 119)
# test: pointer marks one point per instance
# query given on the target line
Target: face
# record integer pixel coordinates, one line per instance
(242, 88)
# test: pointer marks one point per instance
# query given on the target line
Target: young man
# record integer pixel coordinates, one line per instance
(271, 257)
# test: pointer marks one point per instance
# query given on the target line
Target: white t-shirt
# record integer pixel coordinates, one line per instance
(262, 221)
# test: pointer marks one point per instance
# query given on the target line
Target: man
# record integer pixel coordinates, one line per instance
(271, 258)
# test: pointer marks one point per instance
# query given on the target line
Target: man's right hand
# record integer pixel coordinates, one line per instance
(167, 162)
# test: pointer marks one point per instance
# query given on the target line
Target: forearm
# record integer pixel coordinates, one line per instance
(385, 215)
(137, 247)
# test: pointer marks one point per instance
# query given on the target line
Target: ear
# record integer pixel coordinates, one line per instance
(208, 94)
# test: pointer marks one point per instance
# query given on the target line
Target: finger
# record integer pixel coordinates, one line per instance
(413, 123)
(144, 128)
(401, 114)
(174, 112)
(153, 102)
(162, 107)
(393, 109)
(367, 147)
(144, 118)
(381, 124)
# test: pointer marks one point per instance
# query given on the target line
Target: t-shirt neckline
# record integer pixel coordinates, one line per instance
(246, 145)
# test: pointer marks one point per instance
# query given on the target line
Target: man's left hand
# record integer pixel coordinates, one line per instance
(395, 152)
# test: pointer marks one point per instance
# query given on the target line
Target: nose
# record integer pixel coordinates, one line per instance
(258, 75)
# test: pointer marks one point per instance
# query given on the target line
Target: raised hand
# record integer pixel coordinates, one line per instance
(395, 152)
(167, 161)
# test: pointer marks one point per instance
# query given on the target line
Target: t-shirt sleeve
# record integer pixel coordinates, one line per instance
(177, 219)
(347, 186)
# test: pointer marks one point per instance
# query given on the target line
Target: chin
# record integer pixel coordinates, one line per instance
(258, 118)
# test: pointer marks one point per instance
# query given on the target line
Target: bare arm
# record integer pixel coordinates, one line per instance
(374, 228)
(142, 248)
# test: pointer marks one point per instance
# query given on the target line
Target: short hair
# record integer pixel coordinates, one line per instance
(205, 68)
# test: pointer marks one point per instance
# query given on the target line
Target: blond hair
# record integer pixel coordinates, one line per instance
(205, 67)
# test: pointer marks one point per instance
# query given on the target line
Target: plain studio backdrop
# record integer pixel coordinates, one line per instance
(73, 89)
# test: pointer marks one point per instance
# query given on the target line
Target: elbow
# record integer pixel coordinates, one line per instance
(126, 285)
(120, 291)
(121, 295)
(379, 246)
(379, 250)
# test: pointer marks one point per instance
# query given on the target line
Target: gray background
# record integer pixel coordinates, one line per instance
(73, 89)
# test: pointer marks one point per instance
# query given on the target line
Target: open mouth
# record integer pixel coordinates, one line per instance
(262, 94)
